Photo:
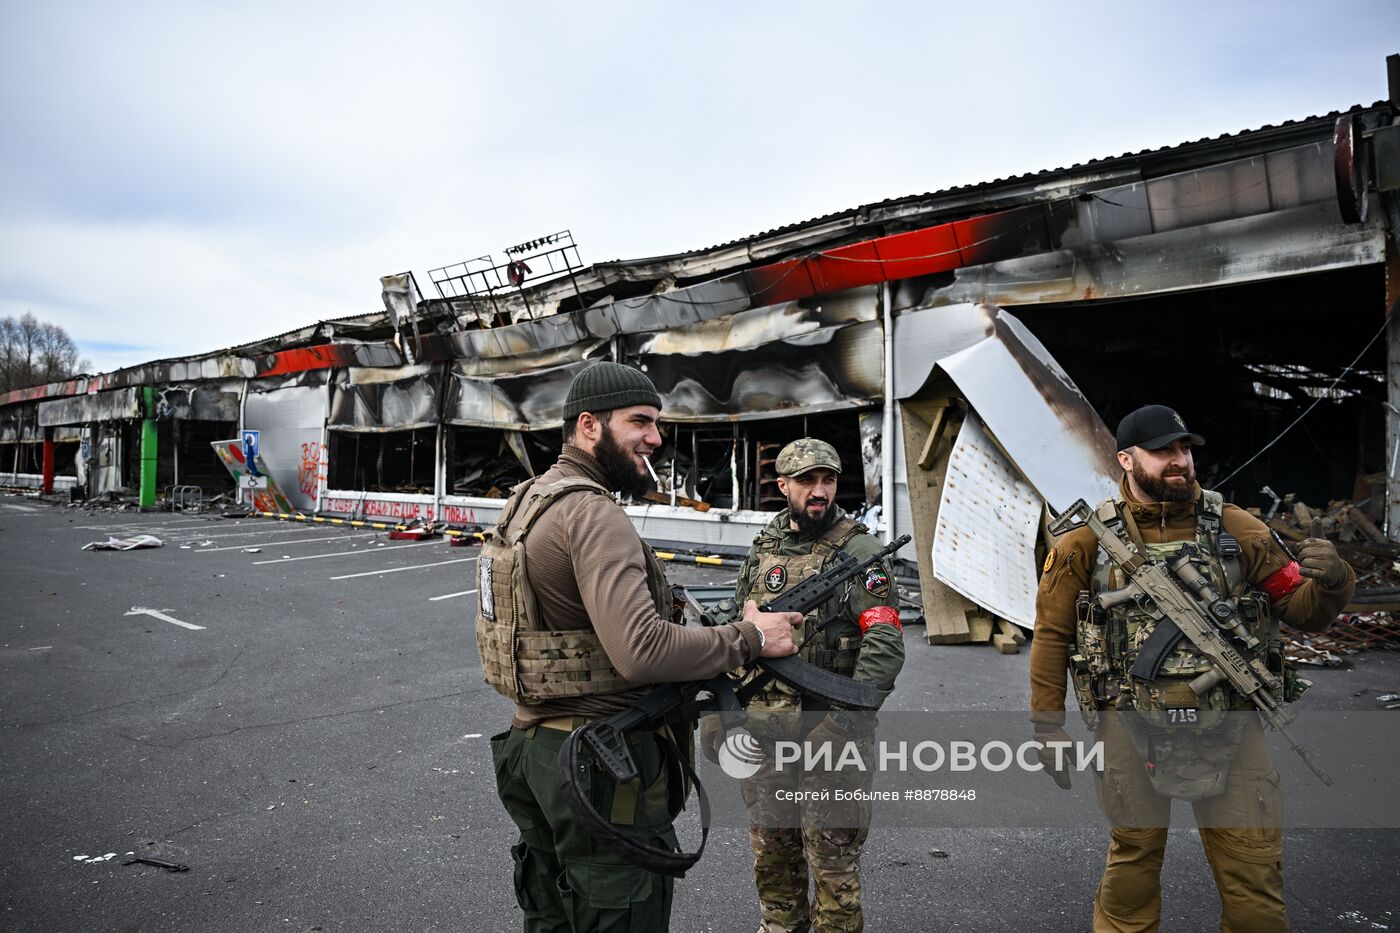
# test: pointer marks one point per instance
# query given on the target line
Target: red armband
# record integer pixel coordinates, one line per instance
(878, 615)
(1282, 581)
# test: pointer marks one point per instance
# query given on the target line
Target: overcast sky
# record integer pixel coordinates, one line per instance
(180, 177)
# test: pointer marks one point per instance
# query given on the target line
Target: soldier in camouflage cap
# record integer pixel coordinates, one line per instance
(806, 454)
(798, 845)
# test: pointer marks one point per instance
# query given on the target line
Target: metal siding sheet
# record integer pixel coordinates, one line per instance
(1300, 240)
(1189, 199)
(523, 402)
(290, 421)
(117, 405)
(378, 400)
(1302, 175)
(1042, 420)
(826, 370)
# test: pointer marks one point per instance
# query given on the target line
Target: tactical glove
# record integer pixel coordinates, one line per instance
(1318, 558)
(1044, 734)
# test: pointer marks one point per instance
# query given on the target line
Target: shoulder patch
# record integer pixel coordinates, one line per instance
(1049, 561)
(876, 582)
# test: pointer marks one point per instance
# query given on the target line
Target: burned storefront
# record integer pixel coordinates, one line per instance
(987, 334)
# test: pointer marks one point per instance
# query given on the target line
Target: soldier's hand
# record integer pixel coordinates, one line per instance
(1051, 753)
(776, 628)
(1318, 558)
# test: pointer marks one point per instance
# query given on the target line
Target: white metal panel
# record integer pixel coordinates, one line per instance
(290, 421)
(1046, 426)
(984, 544)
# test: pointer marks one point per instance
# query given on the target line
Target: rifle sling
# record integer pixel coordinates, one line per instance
(652, 858)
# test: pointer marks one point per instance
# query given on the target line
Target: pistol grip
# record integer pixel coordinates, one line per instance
(610, 748)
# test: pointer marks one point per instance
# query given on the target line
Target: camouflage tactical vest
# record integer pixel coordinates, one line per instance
(777, 573)
(1188, 738)
(522, 658)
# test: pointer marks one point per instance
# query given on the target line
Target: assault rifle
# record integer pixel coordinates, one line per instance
(681, 702)
(1181, 598)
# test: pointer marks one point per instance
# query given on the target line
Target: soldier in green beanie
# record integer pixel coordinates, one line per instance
(575, 621)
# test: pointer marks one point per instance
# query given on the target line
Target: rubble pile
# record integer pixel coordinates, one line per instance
(1372, 619)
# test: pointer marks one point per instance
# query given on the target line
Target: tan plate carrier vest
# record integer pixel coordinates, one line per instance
(1190, 753)
(520, 657)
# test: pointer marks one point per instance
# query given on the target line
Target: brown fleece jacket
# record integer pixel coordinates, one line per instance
(1310, 607)
(587, 567)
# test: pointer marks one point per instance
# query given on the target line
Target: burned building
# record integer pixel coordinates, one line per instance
(986, 333)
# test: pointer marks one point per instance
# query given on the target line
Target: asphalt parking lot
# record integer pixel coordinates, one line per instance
(297, 714)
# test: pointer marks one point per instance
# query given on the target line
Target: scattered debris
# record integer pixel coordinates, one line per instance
(158, 863)
(1368, 622)
(415, 530)
(135, 542)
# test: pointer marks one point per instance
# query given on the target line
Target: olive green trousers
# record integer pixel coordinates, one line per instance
(565, 880)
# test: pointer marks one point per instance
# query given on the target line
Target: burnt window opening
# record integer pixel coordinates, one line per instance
(705, 459)
(390, 461)
(487, 463)
(184, 455)
(24, 457)
(1240, 364)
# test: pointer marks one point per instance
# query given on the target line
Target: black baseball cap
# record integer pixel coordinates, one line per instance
(1153, 427)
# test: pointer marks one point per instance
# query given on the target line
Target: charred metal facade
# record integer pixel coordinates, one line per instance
(1240, 279)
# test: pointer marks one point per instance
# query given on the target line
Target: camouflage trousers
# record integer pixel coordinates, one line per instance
(1241, 831)
(566, 881)
(815, 832)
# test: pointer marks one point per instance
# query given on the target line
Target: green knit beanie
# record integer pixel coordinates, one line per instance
(605, 386)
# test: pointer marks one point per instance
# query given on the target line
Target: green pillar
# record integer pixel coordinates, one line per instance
(148, 450)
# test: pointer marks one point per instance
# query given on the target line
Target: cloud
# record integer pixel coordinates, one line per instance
(182, 177)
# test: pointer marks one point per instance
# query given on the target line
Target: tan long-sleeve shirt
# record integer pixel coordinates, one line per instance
(1310, 607)
(587, 567)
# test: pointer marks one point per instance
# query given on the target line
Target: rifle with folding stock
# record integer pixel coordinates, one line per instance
(1183, 601)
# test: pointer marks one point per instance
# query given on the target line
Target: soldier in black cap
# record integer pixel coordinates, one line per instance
(1160, 506)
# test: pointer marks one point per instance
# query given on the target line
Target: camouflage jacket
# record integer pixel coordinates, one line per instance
(881, 653)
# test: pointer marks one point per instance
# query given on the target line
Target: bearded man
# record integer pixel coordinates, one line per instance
(575, 620)
(857, 634)
(1217, 758)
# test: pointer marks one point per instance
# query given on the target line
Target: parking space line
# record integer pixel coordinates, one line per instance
(433, 599)
(190, 536)
(371, 573)
(138, 525)
(241, 547)
(156, 613)
(385, 550)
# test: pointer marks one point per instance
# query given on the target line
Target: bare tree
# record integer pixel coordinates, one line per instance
(33, 352)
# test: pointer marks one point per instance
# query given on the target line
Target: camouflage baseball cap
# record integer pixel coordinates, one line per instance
(807, 453)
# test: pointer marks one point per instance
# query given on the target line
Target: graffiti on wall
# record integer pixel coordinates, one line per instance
(308, 471)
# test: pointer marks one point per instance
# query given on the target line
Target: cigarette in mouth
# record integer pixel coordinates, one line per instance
(654, 478)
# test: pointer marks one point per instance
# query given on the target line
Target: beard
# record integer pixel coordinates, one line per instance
(809, 524)
(1159, 490)
(619, 467)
